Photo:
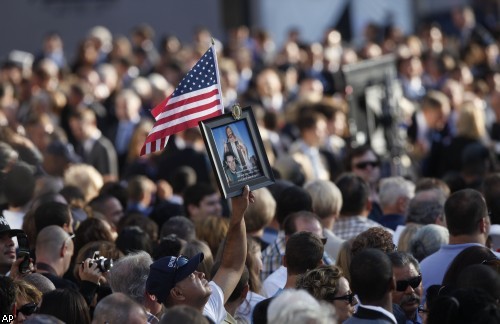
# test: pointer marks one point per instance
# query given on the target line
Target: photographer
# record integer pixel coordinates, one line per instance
(54, 249)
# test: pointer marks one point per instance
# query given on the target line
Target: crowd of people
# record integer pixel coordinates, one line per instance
(110, 236)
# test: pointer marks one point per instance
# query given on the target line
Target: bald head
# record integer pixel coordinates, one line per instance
(119, 308)
(54, 247)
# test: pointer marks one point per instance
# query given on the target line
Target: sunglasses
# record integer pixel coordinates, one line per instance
(364, 165)
(349, 298)
(402, 285)
(27, 309)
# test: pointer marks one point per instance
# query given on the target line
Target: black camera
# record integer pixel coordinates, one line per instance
(23, 253)
(103, 264)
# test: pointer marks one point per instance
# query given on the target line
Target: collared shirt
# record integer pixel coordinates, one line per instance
(151, 318)
(347, 227)
(272, 256)
(381, 310)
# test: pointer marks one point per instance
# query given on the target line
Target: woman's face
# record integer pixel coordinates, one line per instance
(343, 309)
(21, 317)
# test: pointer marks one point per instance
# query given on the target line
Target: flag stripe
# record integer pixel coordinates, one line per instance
(194, 111)
(188, 104)
(181, 125)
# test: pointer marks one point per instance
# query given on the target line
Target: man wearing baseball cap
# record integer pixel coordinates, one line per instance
(7, 247)
(175, 281)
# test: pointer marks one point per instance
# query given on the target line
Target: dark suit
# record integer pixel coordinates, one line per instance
(365, 315)
(101, 156)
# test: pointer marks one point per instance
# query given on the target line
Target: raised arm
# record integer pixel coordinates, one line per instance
(235, 248)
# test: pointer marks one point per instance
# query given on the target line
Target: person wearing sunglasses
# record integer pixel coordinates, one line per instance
(408, 292)
(27, 299)
(328, 283)
(173, 280)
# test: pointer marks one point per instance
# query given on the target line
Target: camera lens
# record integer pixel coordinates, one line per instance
(105, 264)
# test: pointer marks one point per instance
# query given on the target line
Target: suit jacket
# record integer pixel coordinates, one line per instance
(101, 156)
(365, 315)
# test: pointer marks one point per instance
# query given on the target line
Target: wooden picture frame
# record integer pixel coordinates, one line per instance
(236, 152)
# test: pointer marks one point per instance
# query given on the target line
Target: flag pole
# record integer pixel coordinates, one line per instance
(218, 76)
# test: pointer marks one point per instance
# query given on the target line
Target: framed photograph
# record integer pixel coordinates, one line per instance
(236, 152)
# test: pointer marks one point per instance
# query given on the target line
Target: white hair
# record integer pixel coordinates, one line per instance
(391, 189)
(297, 307)
(427, 240)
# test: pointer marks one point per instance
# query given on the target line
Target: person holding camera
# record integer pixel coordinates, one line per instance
(54, 249)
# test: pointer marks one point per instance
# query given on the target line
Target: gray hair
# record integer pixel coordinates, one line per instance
(129, 275)
(326, 197)
(297, 307)
(40, 282)
(402, 259)
(181, 226)
(393, 188)
(427, 240)
(426, 207)
(117, 308)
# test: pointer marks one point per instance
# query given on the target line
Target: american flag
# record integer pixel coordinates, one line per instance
(197, 97)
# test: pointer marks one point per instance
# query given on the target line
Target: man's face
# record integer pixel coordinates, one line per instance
(409, 299)
(195, 289)
(114, 211)
(231, 162)
(366, 166)
(7, 253)
(210, 205)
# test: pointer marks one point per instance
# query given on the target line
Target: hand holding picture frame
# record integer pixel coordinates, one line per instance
(236, 152)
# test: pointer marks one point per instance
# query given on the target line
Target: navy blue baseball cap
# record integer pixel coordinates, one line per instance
(166, 272)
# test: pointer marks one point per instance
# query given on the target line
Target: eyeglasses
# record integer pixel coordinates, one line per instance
(365, 164)
(27, 309)
(414, 282)
(350, 298)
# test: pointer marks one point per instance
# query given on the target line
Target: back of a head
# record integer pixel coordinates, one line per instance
(463, 210)
(129, 274)
(326, 196)
(67, 305)
(375, 238)
(183, 314)
(424, 184)
(426, 207)
(40, 282)
(427, 240)
(297, 307)
(482, 277)
(138, 186)
(118, 308)
(304, 251)
(392, 188)
(50, 241)
(19, 185)
(182, 178)
(181, 226)
(464, 306)
(289, 225)
(472, 255)
(292, 199)
(371, 275)
(436, 100)
(322, 283)
(133, 239)
(259, 214)
(355, 194)
(52, 213)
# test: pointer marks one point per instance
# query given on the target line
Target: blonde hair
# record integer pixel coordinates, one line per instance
(344, 258)
(406, 236)
(213, 230)
(260, 213)
(471, 121)
(85, 177)
(326, 198)
(194, 247)
(27, 291)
